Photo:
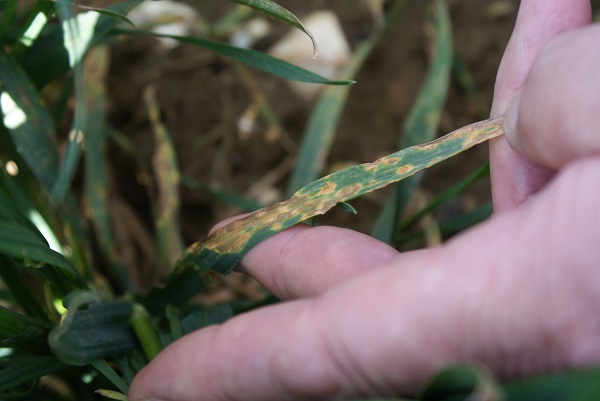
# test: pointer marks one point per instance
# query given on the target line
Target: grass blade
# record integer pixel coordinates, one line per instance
(423, 120)
(7, 15)
(78, 32)
(324, 119)
(29, 123)
(145, 332)
(36, 21)
(21, 291)
(21, 243)
(22, 332)
(446, 196)
(225, 247)
(252, 58)
(46, 59)
(21, 370)
(277, 12)
(103, 367)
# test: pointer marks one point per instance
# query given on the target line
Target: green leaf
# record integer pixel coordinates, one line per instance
(230, 198)
(103, 367)
(21, 291)
(11, 324)
(446, 196)
(7, 16)
(20, 331)
(423, 119)
(21, 243)
(112, 13)
(462, 382)
(253, 58)
(145, 332)
(325, 116)
(21, 370)
(466, 220)
(47, 58)
(9, 209)
(80, 33)
(225, 247)
(205, 316)
(571, 386)
(30, 125)
(178, 289)
(277, 12)
(101, 330)
(30, 30)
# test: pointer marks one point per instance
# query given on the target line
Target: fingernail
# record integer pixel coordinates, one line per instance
(511, 115)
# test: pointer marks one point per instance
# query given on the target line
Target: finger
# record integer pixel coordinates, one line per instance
(304, 261)
(539, 21)
(518, 294)
(556, 118)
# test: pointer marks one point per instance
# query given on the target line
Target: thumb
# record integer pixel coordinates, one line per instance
(555, 118)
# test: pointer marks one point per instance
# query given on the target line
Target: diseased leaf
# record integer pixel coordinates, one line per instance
(222, 251)
(277, 12)
(168, 178)
(96, 169)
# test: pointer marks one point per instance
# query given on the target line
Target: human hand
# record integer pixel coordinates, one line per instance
(519, 293)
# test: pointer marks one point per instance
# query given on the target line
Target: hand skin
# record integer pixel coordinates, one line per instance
(519, 293)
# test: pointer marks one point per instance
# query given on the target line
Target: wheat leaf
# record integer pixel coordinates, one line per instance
(222, 251)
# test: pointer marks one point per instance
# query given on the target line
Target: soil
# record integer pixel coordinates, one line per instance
(202, 98)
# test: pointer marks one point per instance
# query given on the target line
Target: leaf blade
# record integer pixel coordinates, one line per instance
(29, 123)
(277, 12)
(252, 58)
(25, 369)
(221, 251)
(20, 243)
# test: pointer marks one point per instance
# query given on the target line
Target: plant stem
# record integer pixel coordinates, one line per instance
(142, 326)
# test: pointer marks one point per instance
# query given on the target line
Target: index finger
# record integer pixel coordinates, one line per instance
(305, 261)
(538, 22)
